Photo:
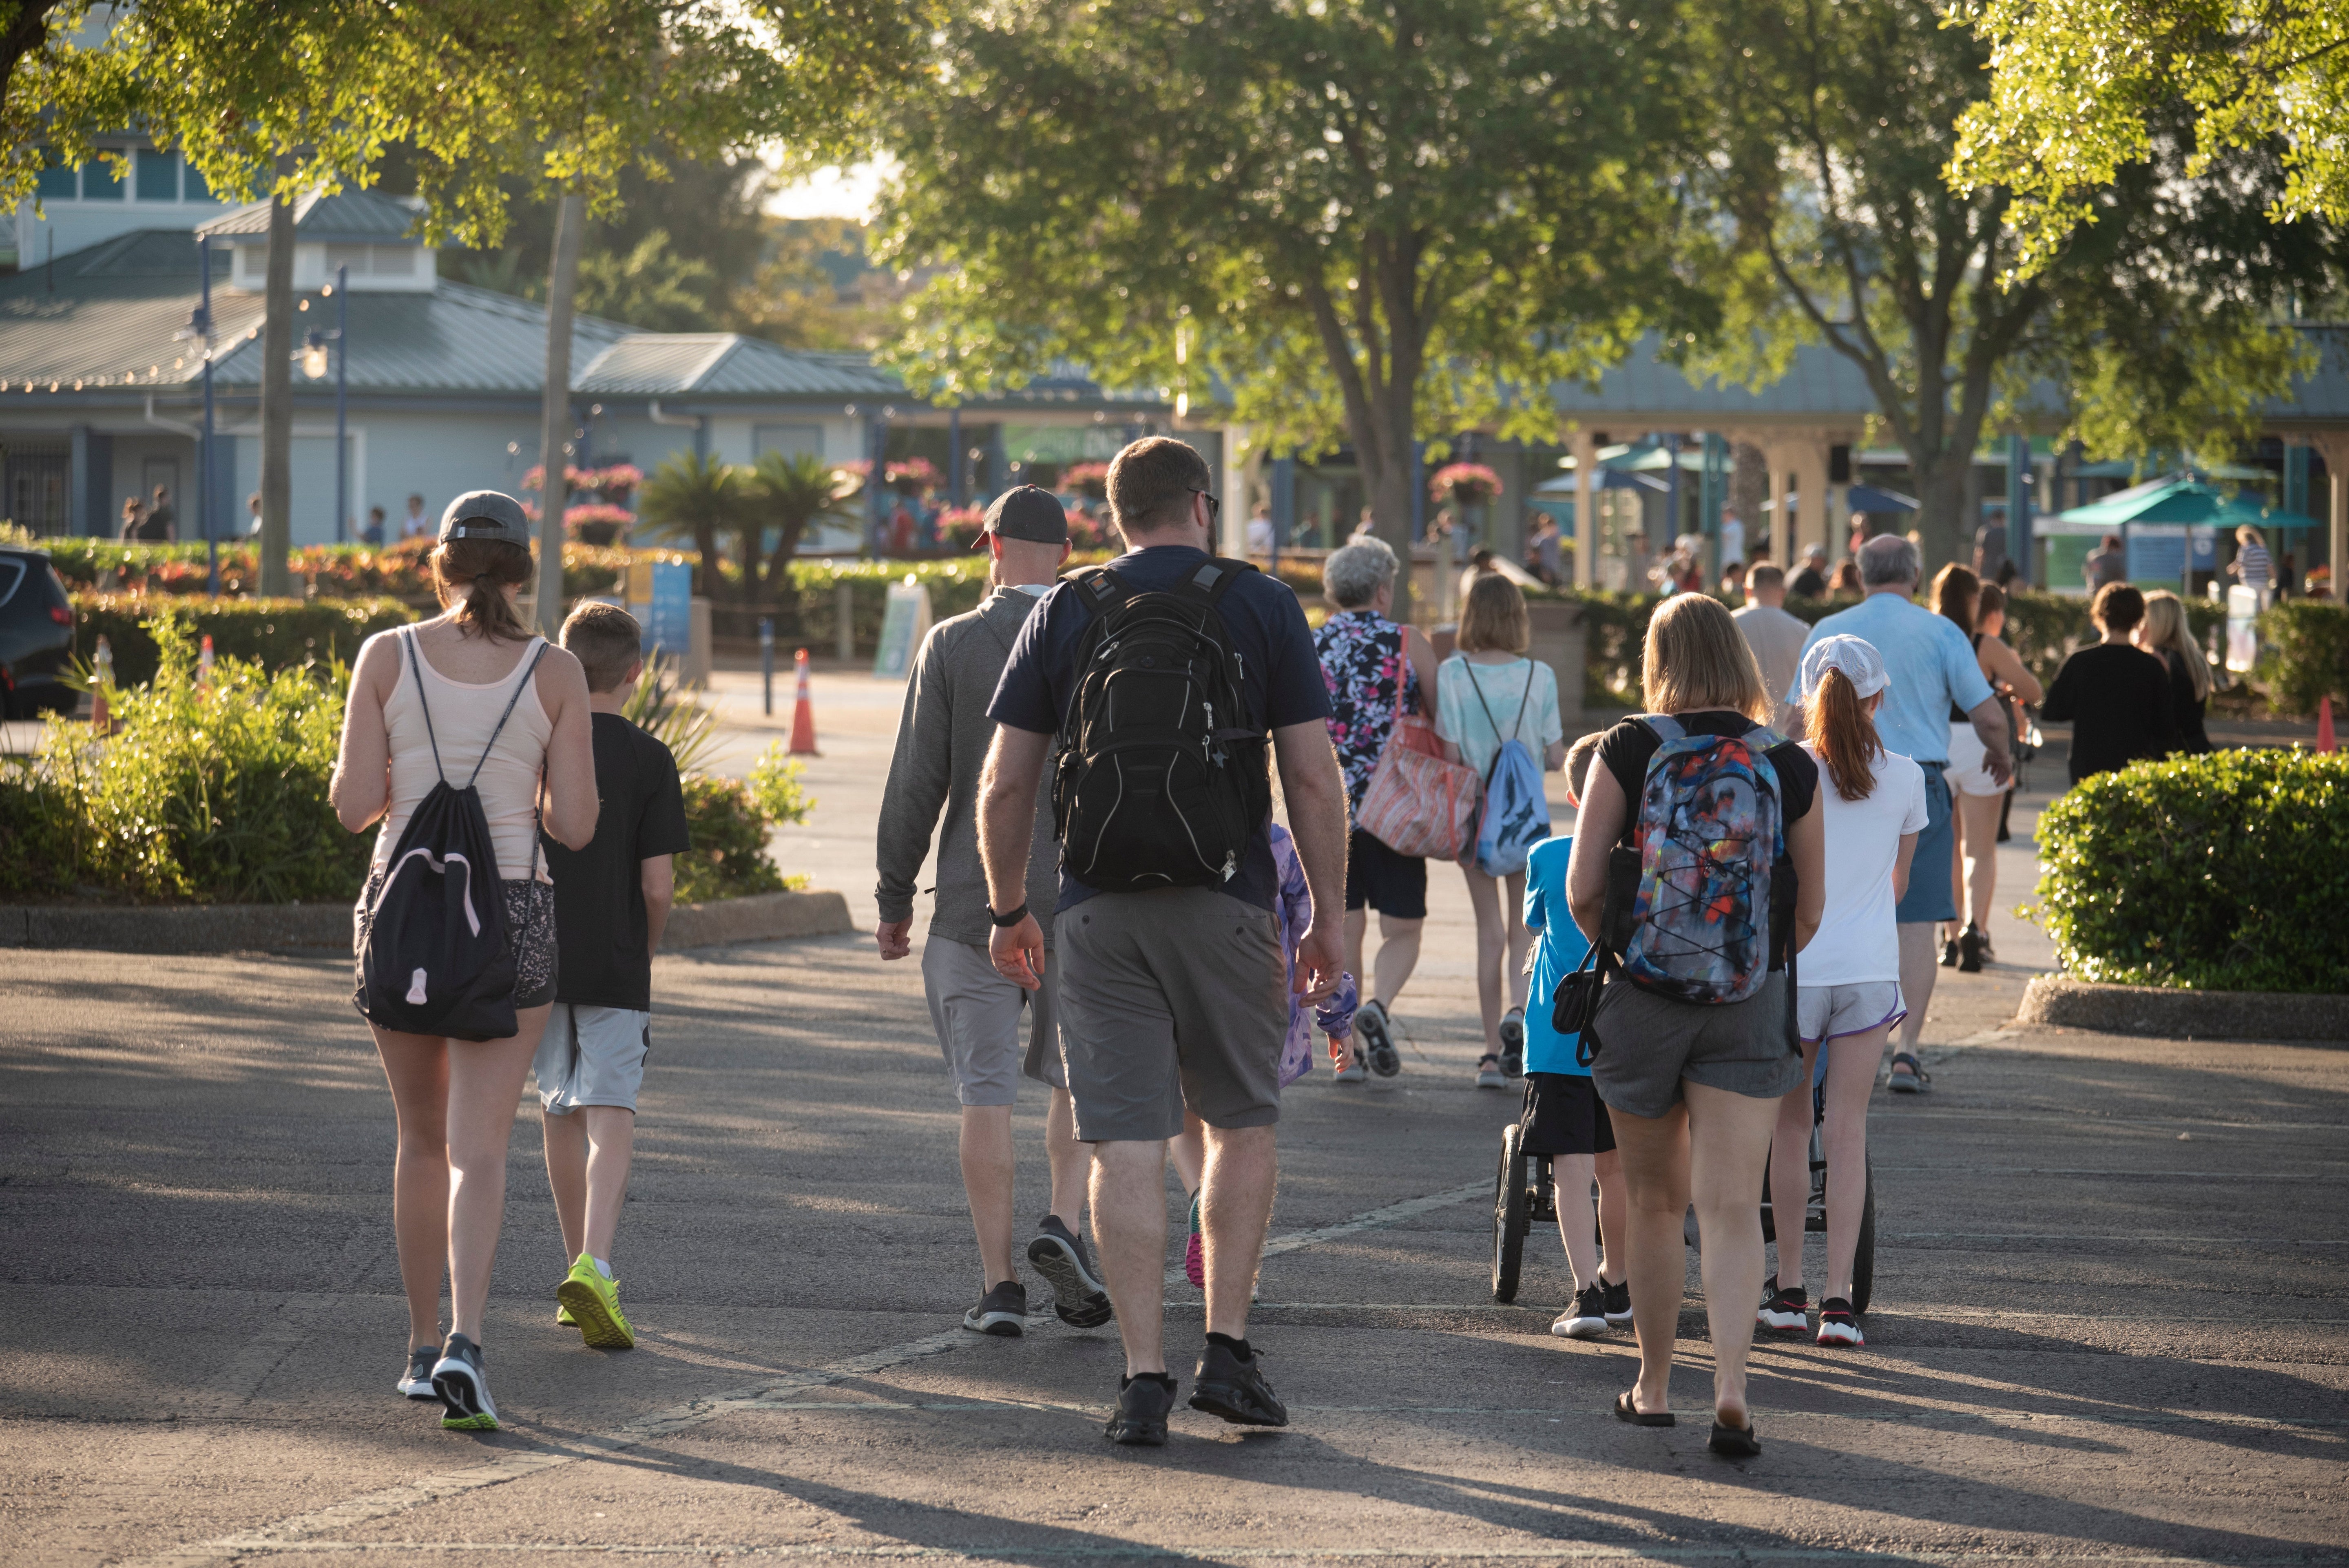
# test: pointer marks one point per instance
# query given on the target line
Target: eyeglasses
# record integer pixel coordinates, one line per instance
(1214, 506)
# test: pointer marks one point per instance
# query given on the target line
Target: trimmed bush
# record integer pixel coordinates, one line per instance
(2224, 871)
(210, 794)
(274, 634)
(730, 820)
(338, 571)
(2306, 656)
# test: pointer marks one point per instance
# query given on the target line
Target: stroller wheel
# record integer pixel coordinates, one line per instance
(1510, 1219)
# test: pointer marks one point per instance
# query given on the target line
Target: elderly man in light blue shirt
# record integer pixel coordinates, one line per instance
(1935, 677)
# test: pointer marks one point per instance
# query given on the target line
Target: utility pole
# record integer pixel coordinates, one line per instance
(342, 388)
(277, 403)
(555, 420)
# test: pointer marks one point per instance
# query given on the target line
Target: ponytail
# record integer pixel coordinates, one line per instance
(471, 576)
(1840, 727)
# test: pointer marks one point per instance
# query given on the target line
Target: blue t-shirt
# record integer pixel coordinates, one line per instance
(1933, 667)
(1280, 670)
(1560, 951)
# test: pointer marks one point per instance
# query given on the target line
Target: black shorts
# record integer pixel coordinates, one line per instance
(1564, 1115)
(1388, 881)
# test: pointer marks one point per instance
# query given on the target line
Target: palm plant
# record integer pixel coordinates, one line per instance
(789, 493)
(697, 497)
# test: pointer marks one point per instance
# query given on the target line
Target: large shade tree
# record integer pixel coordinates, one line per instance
(1364, 222)
(1834, 123)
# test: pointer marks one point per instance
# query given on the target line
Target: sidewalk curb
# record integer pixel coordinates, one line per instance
(316, 928)
(2166, 1013)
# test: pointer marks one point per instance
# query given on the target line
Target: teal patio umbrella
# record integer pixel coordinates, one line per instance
(2175, 508)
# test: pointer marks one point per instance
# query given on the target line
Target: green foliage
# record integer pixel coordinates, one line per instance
(788, 492)
(38, 837)
(2172, 873)
(652, 287)
(340, 571)
(2305, 655)
(2081, 88)
(776, 787)
(273, 634)
(694, 497)
(729, 857)
(211, 793)
(661, 708)
(956, 584)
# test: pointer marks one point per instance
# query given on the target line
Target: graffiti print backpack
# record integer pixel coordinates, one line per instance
(1712, 866)
(437, 959)
(1162, 779)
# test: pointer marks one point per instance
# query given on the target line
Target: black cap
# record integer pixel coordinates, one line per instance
(1031, 514)
(486, 514)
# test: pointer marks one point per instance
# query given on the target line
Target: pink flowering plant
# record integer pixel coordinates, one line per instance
(1463, 483)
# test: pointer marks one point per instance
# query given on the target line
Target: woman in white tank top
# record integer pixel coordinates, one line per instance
(474, 685)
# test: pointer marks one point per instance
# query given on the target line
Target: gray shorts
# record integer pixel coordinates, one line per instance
(975, 1012)
(592, 1056)
(1648, 1043)
(1171, 998)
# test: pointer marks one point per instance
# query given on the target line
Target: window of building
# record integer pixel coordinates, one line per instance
(57, 181)
(195, 189)
(158, 175)
(394, 260)
(100, 182)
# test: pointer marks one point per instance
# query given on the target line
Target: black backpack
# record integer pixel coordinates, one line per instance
(1161, 779)
(437, 961)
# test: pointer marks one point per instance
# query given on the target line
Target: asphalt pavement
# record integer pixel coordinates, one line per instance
(2107, 1327)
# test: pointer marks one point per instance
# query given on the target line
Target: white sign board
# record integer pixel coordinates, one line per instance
(904, 623)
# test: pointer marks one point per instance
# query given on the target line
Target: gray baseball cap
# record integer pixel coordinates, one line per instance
(1026, 512)
(486, 514)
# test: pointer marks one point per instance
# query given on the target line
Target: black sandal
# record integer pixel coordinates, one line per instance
(1735, 1442)
(1625, 1411)
(1914, 1081)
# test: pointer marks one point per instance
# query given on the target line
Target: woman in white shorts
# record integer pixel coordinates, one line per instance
(1847, 988)
(1975, 795)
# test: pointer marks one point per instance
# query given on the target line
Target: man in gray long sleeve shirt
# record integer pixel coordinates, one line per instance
(942, 743)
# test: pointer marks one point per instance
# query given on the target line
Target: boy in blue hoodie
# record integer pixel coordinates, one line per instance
(1564, 1116)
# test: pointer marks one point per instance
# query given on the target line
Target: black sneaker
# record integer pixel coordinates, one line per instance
(1789, 1311)
(1140, 1418)
(464, 1393)
(1948, 952)
(1618, 1302)
(1078, 1293)
(1002, 1311)
(1376, 1040)
(1971, 947)
(1234, 1390)
(418, 1383)
(1839, 1325)
(1512, 1043)
(1587, 1319)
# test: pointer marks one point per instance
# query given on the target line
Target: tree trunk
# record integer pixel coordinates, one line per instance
(750, 558)
(1941, 504)
(705, 545)
(555, 420)
(277, 402)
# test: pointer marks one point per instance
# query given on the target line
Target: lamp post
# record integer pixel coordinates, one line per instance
(198, 331)
(314, 366)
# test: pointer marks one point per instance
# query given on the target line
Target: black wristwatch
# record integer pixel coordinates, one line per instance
(1010, 917)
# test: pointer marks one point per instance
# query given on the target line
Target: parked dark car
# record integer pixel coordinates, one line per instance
(37, 635)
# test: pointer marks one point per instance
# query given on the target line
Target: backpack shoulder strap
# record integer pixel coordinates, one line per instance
(528, 668)
(1099, 590)
(416, 668)
(1665, 729)
(1215, 579)
(1518, 729)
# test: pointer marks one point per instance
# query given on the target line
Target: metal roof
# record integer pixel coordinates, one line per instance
(1818, 384)
(683, 364)
(345, 215)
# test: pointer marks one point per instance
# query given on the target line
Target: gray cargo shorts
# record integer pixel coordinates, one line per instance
(975, 1012)
(1648, 1043)
(1171, 998)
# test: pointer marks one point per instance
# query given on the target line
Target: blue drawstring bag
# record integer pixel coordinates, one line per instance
(1515, 814)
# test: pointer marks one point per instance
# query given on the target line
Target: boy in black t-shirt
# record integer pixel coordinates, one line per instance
(611, 900)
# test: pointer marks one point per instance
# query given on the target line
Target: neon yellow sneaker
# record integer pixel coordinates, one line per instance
(595, 1303)
(563, 1318)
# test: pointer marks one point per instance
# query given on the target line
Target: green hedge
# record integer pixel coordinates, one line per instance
(2305, 655)
(276, 634)
(2224, 871)
(211, 794)
(730, 820)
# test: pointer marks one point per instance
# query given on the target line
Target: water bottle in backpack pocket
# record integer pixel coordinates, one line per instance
(1514, 813)
(1710, 842)
(438, 958)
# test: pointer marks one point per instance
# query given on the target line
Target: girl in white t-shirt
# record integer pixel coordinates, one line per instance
(1849, 982)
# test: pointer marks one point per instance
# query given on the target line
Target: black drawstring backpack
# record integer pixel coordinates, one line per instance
(437, 961)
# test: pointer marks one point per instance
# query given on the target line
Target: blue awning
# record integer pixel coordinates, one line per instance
(1868, 499)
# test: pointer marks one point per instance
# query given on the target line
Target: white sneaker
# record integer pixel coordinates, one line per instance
(1352, 1072)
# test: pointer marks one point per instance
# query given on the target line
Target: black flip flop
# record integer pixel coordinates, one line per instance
(1735, 1442)
(1627, 1411)
(1916, 1081)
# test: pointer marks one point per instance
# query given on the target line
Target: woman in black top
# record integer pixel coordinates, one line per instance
(2165, 634)
(1692, 1088)
(2116, 695)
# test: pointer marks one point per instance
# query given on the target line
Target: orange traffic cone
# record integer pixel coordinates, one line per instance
(802, 714)
(2324, 724)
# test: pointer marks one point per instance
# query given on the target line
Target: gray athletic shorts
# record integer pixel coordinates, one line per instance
(1173, 997)
(1648, 1043)
(975, 1012)
(592, 1056)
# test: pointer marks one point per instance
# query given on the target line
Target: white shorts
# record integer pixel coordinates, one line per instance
(592, 1056)
(1831, 1012)
(1967, 775)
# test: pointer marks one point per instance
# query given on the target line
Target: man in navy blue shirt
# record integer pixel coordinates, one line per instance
(1176, 997)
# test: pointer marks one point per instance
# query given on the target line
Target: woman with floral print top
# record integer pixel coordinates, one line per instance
(1362, 654)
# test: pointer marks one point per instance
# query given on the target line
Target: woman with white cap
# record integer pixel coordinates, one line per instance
(1848, 994)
